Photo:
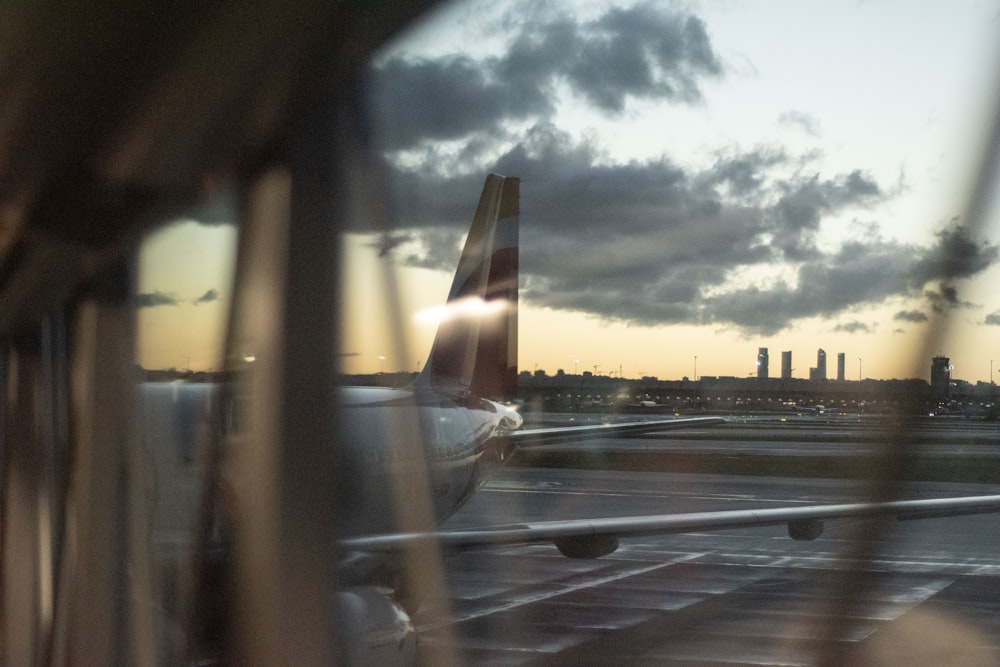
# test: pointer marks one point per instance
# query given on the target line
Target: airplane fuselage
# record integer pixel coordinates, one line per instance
(403, 442)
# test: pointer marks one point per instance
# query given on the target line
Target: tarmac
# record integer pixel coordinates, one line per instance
(922, 593)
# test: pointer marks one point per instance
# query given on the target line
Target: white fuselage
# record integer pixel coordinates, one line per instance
(399, 443)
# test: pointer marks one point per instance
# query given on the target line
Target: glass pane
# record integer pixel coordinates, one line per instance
(780, 213)
(183, 293)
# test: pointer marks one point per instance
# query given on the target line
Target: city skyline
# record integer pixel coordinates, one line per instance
(934, 366)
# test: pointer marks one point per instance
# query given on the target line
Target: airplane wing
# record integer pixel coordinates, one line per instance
(592, 538)
(557, 434)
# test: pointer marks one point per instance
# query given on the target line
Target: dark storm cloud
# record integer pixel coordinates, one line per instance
(910, 316)
(743, 174)
(955, 255)
(154, 299)
(795, 219)
(653, 243)
(645, 52)
(825, 286)
(447, 99)
(208, 297)
(647, 242)
(639, 52)
(945, 298)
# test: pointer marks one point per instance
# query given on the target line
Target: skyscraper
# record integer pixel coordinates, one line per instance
(819, 373)
(762, 363)
(940, 376)
(786, 365)
(841, 360)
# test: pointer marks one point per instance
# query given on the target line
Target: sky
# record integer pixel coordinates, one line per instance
(184, 289)
(698, 180)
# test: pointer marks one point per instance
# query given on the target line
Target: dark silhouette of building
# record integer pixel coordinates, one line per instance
(762, 363)
(819, 373)
(940, 377)
(841, 361)
(786, 365)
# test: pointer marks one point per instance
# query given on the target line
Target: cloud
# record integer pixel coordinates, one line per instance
(440, 249)
(735, 243)
(652, 242)
(803, 121)
(157, 298)
(154, 299)
(955, 255)
(855, 327)
(993, 319)
(655, 243)
(910, 316)
(388, 241)
(644, 52)
(945, 298)
(207, 297)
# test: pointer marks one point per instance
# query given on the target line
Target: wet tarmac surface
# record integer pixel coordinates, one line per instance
(927, 592)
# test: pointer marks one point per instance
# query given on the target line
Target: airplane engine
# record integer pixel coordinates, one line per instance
(377, 630)
(593, 546)
(805, 529)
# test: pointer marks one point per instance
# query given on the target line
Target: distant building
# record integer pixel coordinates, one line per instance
(762, 363)
(940, 376)
(841, 361)
(786, 365)
(819, 372)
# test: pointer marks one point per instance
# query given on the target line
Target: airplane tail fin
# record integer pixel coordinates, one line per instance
(475, 350)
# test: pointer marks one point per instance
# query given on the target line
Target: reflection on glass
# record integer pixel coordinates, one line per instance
(182, 301)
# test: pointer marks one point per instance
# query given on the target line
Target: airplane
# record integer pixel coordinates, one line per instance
(817, 409)
(451, 428)
(460, 402)
(647, 403)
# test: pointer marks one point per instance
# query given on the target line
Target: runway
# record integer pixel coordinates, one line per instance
(792, 435)
(929, 593)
